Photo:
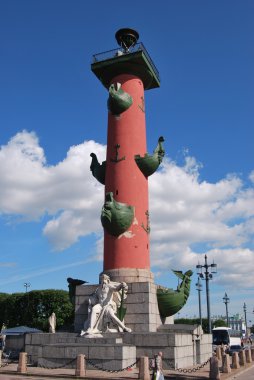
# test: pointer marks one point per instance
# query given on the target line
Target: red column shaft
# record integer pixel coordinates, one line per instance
(126, 181)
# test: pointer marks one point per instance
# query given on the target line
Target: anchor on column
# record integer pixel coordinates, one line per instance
(147, 228)
(116, 159)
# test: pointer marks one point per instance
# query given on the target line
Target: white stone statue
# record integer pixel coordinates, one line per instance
(3, 337)
(52, 323)
(102, 308)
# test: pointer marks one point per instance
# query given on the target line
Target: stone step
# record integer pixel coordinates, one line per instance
(66, 338)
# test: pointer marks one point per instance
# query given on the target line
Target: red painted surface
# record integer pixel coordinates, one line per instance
(126, 181)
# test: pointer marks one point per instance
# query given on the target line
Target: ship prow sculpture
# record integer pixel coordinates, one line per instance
(171, 301)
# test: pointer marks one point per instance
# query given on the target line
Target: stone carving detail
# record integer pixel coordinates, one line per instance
(150, 163)
(102, 308)
(116, 217)
(52, 323)
(118, 100)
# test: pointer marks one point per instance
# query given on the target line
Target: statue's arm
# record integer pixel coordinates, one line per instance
(116, 286)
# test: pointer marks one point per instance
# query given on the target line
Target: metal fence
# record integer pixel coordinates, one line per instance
(115, 53)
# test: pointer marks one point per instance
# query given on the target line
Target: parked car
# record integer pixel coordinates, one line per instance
(234, 348)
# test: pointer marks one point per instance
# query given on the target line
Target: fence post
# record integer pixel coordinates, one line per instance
(22, 366)
(235, 360)
(226, 364)
(214, 373)
(218, 352)
(248, 356)
(144, 373)
(242, 358)
(80, 366)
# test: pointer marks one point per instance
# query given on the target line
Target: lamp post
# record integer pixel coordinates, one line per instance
(199, 289)
(245, 309)
(226, 301)
(27, 285)
(207, 276)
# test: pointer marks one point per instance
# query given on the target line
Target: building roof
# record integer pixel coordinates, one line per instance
(20, 330)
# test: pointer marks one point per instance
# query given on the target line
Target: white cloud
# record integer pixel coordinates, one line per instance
(67, 191)
(185, 211)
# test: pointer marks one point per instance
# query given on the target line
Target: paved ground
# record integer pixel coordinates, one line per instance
(10, 373)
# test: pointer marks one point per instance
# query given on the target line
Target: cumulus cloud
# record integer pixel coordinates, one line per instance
(187, 215)
(67, 192)
(218, 218)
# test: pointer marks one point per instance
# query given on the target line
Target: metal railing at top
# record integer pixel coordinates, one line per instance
(119, 52)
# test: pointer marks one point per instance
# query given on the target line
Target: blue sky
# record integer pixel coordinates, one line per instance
(53, 114)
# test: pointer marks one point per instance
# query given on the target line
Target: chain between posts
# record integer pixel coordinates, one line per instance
(181, 370)
(110, 370)
(5, 360)
(187, 370)
(57, 367)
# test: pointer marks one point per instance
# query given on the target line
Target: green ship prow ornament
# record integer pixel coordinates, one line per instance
(150, 163)
(118, 100)
(116, 217)
(171, 301)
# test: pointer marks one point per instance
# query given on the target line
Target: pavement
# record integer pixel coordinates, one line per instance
(9, 372)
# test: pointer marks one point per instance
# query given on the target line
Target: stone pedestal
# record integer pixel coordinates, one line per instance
(142, 313)
(62, 349)
(182, 346)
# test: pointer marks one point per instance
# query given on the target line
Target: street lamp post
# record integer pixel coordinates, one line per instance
(207, 277)
(226, 301)
(27, 285)
(199, 289)
(245, 317)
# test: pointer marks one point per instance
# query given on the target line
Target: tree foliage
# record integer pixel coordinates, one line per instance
(196, 321)
(219, 323)
(34, 308)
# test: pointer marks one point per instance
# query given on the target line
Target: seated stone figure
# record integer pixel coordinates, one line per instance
(102, 307)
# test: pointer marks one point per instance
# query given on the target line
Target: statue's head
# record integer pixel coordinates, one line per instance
(104, 278)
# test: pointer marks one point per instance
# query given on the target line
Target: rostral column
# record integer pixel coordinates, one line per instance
(126, 73)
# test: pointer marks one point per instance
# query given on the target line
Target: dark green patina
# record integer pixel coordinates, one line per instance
(171, 301)
(118, 100)
(150, 163)
(73, 283)
(121, 310)
(98, 170)
(116, 217)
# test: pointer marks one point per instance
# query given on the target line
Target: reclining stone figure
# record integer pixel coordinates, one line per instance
(102, 308)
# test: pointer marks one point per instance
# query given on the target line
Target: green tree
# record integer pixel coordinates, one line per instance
(193, 321)
(34, 308)
(219, 323)
(3, 317)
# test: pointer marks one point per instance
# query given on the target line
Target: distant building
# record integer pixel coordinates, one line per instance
(237, 324)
